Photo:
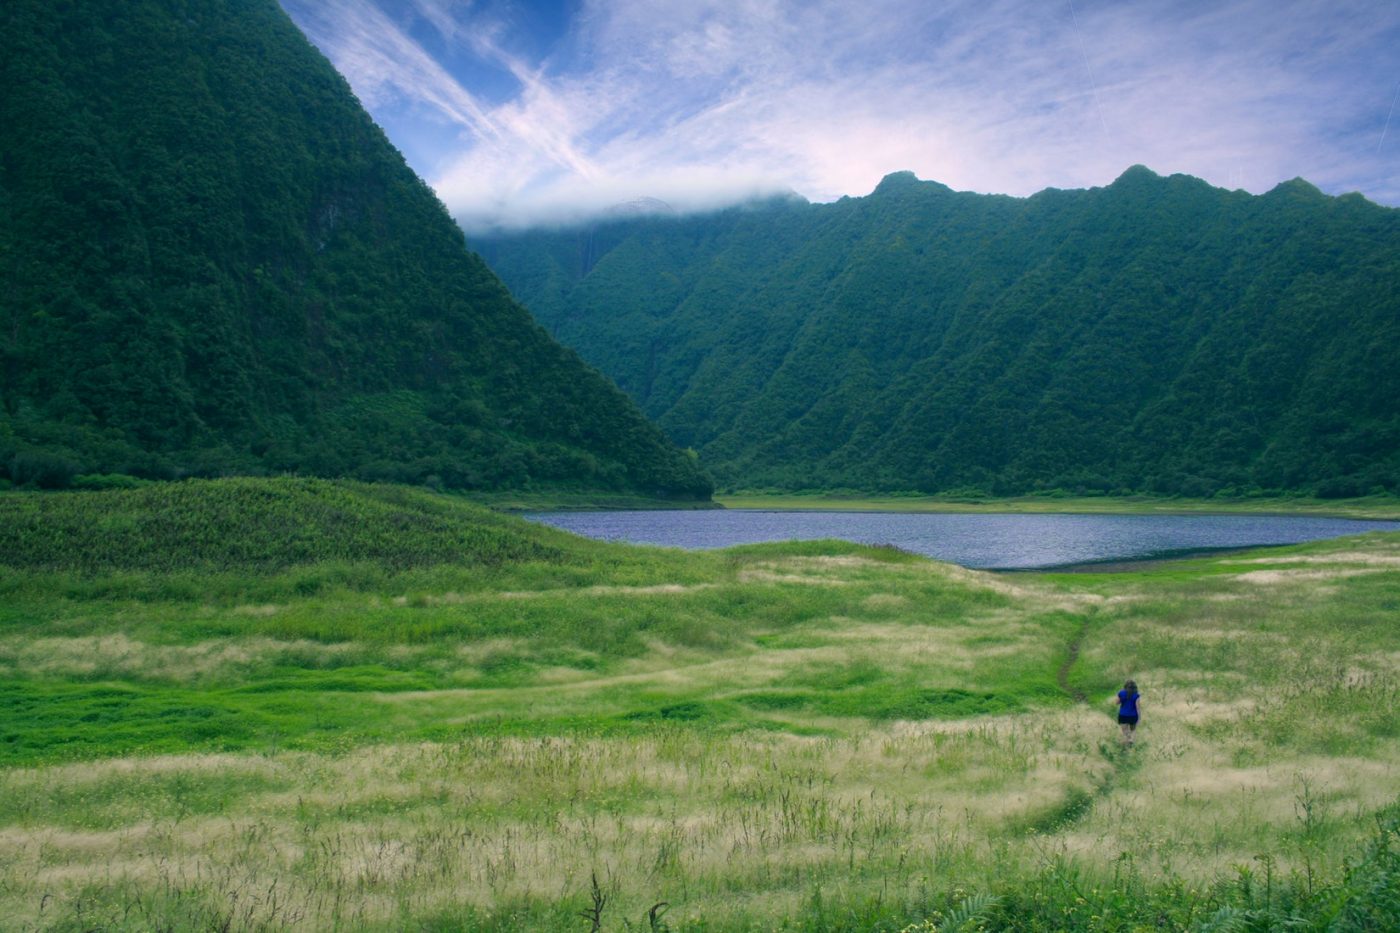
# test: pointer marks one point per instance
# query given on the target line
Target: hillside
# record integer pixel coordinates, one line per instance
(1157, 335)
(215, 263)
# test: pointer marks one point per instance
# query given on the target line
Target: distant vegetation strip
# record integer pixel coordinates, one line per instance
(561, 501)
(1376, 507)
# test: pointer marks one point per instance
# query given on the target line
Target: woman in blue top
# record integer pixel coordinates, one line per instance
(1128, 711)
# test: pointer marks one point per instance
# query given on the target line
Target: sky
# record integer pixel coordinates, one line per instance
(542, 112)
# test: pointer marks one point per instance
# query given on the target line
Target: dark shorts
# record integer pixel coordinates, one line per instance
(1128, 720)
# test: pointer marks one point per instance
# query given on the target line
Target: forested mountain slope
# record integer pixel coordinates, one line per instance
(214, 262)
(1155, 335)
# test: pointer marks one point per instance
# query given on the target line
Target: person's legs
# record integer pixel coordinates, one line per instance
(1129, 727)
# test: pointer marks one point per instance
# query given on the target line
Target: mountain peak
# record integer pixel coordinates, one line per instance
(1296, 187)
(893, 180)
(1135, 175)
(641, 207)
(896, 182)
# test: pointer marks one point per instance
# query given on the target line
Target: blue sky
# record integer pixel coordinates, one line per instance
(521, 112)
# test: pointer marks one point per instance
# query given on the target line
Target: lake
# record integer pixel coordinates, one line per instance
(997, 541)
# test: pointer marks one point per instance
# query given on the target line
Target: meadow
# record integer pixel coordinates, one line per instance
(269, 704)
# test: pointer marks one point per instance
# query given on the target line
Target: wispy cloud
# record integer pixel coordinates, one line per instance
(713, 100)
(392, 74)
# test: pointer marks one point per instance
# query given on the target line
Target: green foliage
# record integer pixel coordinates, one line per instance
(1157, 335)
(108, 481)
(215, 263)
(42, 469)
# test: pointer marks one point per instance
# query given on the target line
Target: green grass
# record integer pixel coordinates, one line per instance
(201, 727)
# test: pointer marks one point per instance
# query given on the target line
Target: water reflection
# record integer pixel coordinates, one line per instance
(984, 541)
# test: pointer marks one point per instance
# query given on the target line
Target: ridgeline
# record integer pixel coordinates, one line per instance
(1154, 336)
(214, 263)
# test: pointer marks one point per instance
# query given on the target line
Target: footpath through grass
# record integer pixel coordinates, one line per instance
(296, 704)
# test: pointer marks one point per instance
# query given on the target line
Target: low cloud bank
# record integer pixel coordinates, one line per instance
(570, 201)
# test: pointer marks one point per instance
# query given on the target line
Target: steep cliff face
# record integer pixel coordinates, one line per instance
(1155, 335)
(215, 262)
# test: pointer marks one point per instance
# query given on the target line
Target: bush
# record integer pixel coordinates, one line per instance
(1341, 487)
(108, 481)
(43, 469)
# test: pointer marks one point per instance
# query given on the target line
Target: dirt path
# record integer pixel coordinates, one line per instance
(1071, 656)
(1078, 803)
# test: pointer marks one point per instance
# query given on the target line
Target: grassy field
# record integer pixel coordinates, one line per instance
(1384, 507)
(253, 704)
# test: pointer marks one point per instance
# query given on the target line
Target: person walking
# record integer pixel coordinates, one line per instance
(1128, 712)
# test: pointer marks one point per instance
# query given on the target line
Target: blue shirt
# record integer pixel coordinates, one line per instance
(1127, 703)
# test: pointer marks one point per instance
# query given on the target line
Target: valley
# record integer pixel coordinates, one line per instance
(276, 654)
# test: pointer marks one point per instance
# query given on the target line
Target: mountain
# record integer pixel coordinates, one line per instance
(214, 262)
(1155, 335)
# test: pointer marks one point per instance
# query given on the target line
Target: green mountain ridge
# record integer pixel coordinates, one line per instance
(1155, 335)
(214, 263)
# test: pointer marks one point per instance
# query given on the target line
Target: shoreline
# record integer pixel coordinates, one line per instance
(1135, 564)
(517, 503)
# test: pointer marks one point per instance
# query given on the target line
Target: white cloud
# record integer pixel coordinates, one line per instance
(712, 100)
(386, 67)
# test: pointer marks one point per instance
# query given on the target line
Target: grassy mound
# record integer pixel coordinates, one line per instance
(260, 526)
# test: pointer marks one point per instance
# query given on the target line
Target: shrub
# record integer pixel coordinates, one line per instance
(108, 481)
(43, 469)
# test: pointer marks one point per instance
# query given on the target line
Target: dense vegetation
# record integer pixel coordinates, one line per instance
(1157, 336)
(301, 704)
(214, 262)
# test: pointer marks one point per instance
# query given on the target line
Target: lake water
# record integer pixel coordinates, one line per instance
(984, 541)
